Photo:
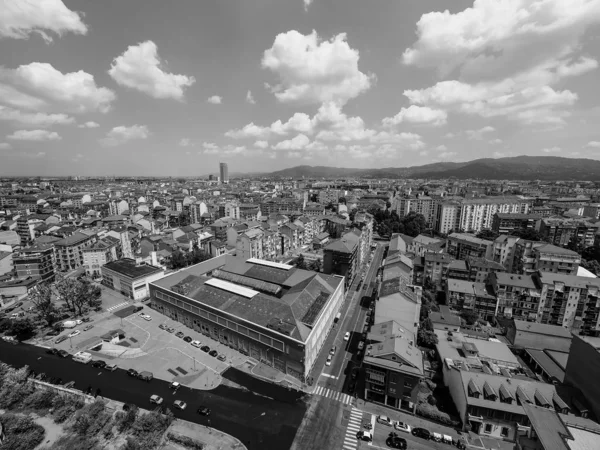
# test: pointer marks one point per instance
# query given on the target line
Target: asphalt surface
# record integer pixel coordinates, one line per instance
(265, 419)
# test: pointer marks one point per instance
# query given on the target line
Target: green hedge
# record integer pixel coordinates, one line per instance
(431, 412)
(185, 441)
(22, 433)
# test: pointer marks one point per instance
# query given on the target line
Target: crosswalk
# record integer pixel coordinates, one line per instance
(334, 395)
(120, 305)
(354, 426)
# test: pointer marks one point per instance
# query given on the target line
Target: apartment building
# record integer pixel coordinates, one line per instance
(435, 267)
(463, 246)
(327, 196)
(419, 204)
(340, 257)
(465, 295)
(69, 250)
(477, 213)
(504, 223)
(532, 256)
(250, 244)
(564, 231)
(583, 370)
(447, 217)
(37, 262)
(518, 295)
(592, 210)
(503, 251)
(97, 255)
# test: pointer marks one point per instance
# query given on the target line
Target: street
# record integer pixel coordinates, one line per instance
(264, 420)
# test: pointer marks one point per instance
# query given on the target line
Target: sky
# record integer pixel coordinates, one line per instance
(157, 88)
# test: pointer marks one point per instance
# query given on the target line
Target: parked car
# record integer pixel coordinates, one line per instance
(213, 353)
(221, 357)
(53, 333)
(187, 339)
(72, 334)
(162, 326)
(145, 375)
(395, 441)
(421, 433)
(180, 334)
(180, 404)
(361, 345)
(384, 420)
(63, 353)
(111, 367)
(147, 317)
(175, 385)
(333, 350)
(347, 336)
(157, 400)
(366, 436)
(205, 348)
(204, 411)
(52, 351)
(401, 426)
(86, 319)
(60, 339)
(196, 344)
(99, 363)
(88, 327)
(133, 373)
(328, 362)
(170, 329)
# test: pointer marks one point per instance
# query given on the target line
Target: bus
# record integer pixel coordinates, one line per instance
(82, 357)
(337, 317)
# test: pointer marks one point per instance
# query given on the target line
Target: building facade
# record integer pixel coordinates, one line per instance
(37, 261)
(130, 278)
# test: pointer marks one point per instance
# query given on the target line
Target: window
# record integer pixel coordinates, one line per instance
(487, 428)
(504, 432)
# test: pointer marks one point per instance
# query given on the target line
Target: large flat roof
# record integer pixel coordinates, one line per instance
(130, 269)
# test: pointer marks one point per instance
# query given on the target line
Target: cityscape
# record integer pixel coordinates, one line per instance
(404, 265)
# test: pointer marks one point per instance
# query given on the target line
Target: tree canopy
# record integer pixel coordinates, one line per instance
(387, 222)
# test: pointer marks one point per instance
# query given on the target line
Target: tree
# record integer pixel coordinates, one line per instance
(300, 263)
(592, 265)
(488, 235)
(78, 294)
(470, 317)
(352, 214)
(315, 266)
(426, 338)
(23, 329)
(414, 224)
(41, 297)
(528, 234)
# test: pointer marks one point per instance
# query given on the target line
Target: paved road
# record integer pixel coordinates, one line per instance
(264, 420)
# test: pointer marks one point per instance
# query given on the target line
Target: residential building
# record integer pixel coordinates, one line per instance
(6, 263)
(130, 278)
(506, 223)
(223, 173)
(293, 233)
(37, 262)
(97, 255)
(393, 366)
(538, 336)
(448, 217)
(436, 267)
(400, 303)
(518, 295)
(592, 210)
(69, 251)
(250, 244)
(531, 256)
(274, 313)
(340, 257)
(583, 369)
(477, 213)
(445, 319)
(463, 246)
(423, 244)
(398, 266)
(579, 233)
(327, 196)
(400, 243)
(464, 295)
(503, 251)
(420, 204)
(26, 226)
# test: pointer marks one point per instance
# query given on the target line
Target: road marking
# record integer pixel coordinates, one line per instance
(348, 447)
(329, 375)
(120, 305)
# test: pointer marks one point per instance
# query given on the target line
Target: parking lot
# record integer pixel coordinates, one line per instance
(146, 346)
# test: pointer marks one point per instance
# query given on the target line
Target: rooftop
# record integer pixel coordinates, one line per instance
(542, 328)
(130, 269)
(523, 281)
(487, 350)
(74, 239)
(468, 238)
(572, 281)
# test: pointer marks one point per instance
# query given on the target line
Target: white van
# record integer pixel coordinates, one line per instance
(82, 357)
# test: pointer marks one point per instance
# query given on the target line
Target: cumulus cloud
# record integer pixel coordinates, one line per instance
(552, 150)
(592, 144)
(5, 146)
(261, 144)
(307, 3)
(215, 100)
(297, 143)
(34, 135)
(299, 122)
(21, 18)
(478, 134)
(495, 141)
(185, 142)
(39, 86)
(33, 119)
(120, 135)
(447, 155)
(503, 57)
(89, 124)
(418, 115)
(250, 98)
(441, 148)
(314, 71)
(140, 68)
(210, 148)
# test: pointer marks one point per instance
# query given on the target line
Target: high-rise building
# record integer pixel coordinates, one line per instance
(224, 173)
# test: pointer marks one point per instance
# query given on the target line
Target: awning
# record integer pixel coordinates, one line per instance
(489, 391)
(541, 400)
(505, 394)
(559, 402)
(522, 396)
(473, 388)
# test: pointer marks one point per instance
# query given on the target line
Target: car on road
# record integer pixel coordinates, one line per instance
(366, 436)
(133, 373)
(355, 372)
(351, 387)
(204, 411)
(205, 348)
(99, 363)
(196, 344)
(328, 362)
(332, 351)
(361, 345)
(221, 357)
(157, 400)
(86, 319)
(180, 334)
(53, 333)
(72, 334)
(63, 353)
(188, 339)
(111, 367)
(60, 339)
(88, 327)
(347, 336)
(395, 441)
(52, 351)
(175, 385)
(213, 353)
(147, 317)
(384, 420)
(402, 426)
(170, 329)
(180, 404)
(421, 433)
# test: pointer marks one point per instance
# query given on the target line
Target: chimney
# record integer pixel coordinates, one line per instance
(154, 260)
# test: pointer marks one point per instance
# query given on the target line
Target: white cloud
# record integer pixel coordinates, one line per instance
(299, 123)
(261, 144)
(5, 146)
(49, 89)
(450, 135)
(34, 119)
(478, 134)
(297, 143)
(423, 153)
(249, 131)
(185, 142)
(210, 148)
(592, 144)
(552, 150)
(250, 98)
(441, 148)
(505, 56)
(140, 68)
(307, 3)
(215, 100)
(34, 135)
(120, 135)
(21, 18)
(314, 71)
(499, 155)
(89, 124)
(495, 141)
(447, 155)
(418, 115)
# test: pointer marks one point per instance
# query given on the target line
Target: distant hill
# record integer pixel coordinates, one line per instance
(549, 168)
